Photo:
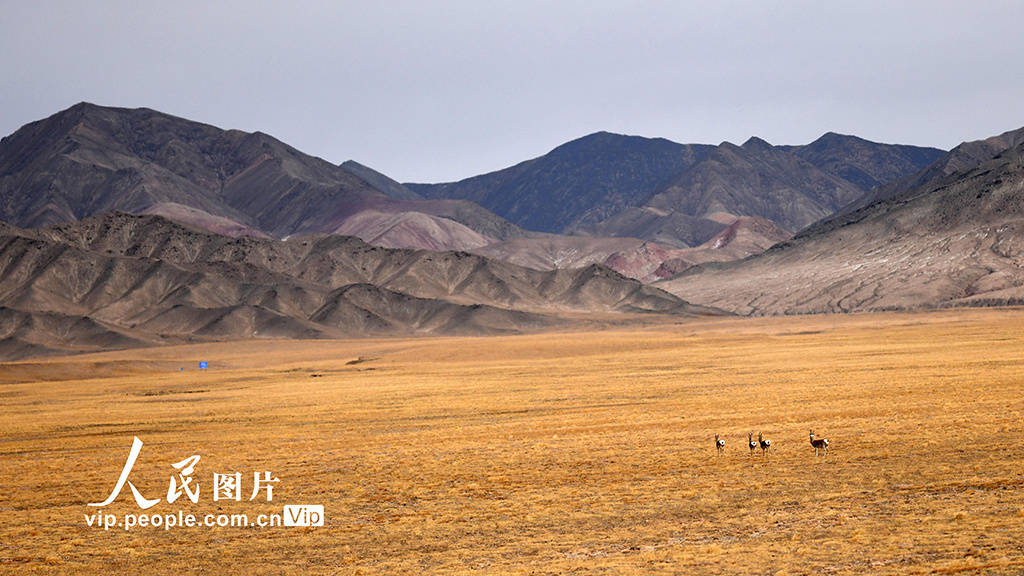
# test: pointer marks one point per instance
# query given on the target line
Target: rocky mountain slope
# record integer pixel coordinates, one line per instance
(648, 196)
(864, 163)
(582, 181)
(755, 179)
(90, 159)
(609, 185)
(957, 239)
(641, 259)
(118, 280)
(963, 157)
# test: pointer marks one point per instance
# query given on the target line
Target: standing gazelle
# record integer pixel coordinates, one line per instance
(719, 444)
(765, 443)
(751, 443)
(819, 444)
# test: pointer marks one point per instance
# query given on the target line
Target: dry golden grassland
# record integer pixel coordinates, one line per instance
(583, 453)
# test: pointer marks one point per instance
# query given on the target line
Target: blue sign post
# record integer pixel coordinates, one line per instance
(203, 365)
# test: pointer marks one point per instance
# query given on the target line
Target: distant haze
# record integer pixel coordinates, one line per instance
(436, 91)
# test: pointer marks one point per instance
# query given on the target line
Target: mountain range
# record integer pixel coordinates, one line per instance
(119, 279)
(954, 236)
(89, 159)
(608, 185)
(132, 227)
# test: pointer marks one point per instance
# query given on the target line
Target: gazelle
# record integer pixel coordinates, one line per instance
(765, 444)
(719, 444)
(819, 444)
(751, 443)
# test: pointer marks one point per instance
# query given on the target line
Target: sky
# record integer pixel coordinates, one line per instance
(438, 91)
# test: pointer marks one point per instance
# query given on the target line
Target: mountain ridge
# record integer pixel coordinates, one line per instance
(584, 179)
(119, 279)
(792, 185)
(957, 240)
(90, 159)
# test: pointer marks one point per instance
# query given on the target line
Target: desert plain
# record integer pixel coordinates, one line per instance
(557, 453)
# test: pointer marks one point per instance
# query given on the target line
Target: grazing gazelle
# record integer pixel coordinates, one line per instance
(751, 443)
(819, 444)
(720, 444)
(765, 444)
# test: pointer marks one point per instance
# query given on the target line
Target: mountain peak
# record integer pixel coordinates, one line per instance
(80, 107)
(755, 143)
(833, 136)
(603, 139)
(863, 162)
(85, 108)
(577, 183)
(66, 118)
(835, 139)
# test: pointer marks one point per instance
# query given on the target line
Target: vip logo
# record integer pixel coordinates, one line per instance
(304, 515)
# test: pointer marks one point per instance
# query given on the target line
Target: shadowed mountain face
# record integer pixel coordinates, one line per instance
(119, 280)
(91, 159)
(583, 181)
(755, 179)
(863, 163)
(966, 156)
(608, 185)
(957, 239)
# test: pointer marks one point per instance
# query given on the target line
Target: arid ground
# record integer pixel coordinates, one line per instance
(585, 453)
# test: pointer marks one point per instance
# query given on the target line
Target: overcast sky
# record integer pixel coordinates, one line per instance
(433, 91)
